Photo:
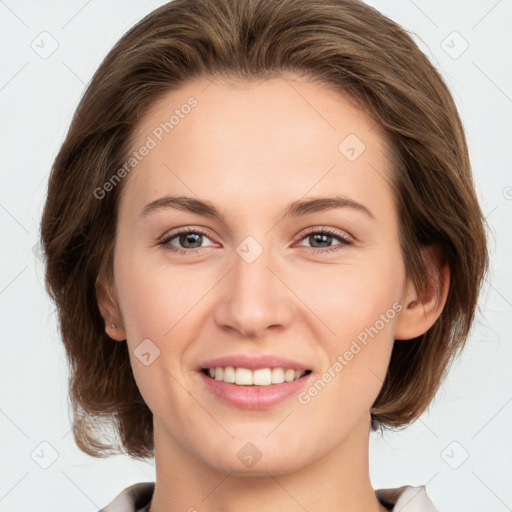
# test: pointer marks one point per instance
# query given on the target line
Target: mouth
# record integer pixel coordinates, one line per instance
(254, 378)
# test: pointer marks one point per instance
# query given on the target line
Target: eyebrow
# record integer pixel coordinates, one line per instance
(295, 209)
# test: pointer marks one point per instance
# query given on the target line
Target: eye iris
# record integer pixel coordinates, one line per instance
(194, 237)
(322, 238)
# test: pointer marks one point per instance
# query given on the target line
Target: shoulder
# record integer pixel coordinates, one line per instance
(406, 499)
(132, 499)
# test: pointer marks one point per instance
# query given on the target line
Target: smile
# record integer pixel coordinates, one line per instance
(259, 377)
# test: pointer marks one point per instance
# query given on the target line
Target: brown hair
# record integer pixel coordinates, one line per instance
(343, 43)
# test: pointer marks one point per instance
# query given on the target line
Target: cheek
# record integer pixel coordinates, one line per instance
(363, 318)
(163, 305)
(154, 306)
(360, 304)
(155, 301)
(359, 296)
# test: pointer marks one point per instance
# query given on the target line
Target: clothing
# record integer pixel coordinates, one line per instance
(137, 498)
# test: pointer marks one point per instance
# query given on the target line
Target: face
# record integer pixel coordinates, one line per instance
(301, 261)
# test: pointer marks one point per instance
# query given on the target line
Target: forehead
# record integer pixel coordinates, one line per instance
(243, 139)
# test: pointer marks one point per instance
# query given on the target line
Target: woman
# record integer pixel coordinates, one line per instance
(217, 144)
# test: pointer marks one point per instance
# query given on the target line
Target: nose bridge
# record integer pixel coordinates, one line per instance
(253, 298)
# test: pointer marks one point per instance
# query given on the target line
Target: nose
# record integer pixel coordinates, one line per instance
(254, 298)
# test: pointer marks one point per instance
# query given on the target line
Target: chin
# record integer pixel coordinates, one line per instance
(245, 458)
(276, 466)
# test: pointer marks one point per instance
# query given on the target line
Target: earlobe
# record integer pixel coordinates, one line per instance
(421, 308)
(109, 310)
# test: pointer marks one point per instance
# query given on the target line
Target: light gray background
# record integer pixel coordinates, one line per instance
(461, 449)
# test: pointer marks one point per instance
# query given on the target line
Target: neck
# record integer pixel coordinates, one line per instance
(336, 482)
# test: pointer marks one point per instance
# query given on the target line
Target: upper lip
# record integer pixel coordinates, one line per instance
(254, 362)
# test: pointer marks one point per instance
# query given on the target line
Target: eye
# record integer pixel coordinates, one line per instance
(189, 238)
(324, 236)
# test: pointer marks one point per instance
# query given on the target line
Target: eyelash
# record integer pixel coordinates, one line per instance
(344, 241)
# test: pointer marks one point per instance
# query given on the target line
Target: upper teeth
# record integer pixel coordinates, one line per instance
(260, 377)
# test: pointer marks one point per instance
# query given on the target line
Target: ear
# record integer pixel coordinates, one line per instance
(109, 310)
(423, 307)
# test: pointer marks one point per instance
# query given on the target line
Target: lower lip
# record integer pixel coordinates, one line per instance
(254, 397)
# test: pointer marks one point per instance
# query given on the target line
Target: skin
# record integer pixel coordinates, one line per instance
(251, 149)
